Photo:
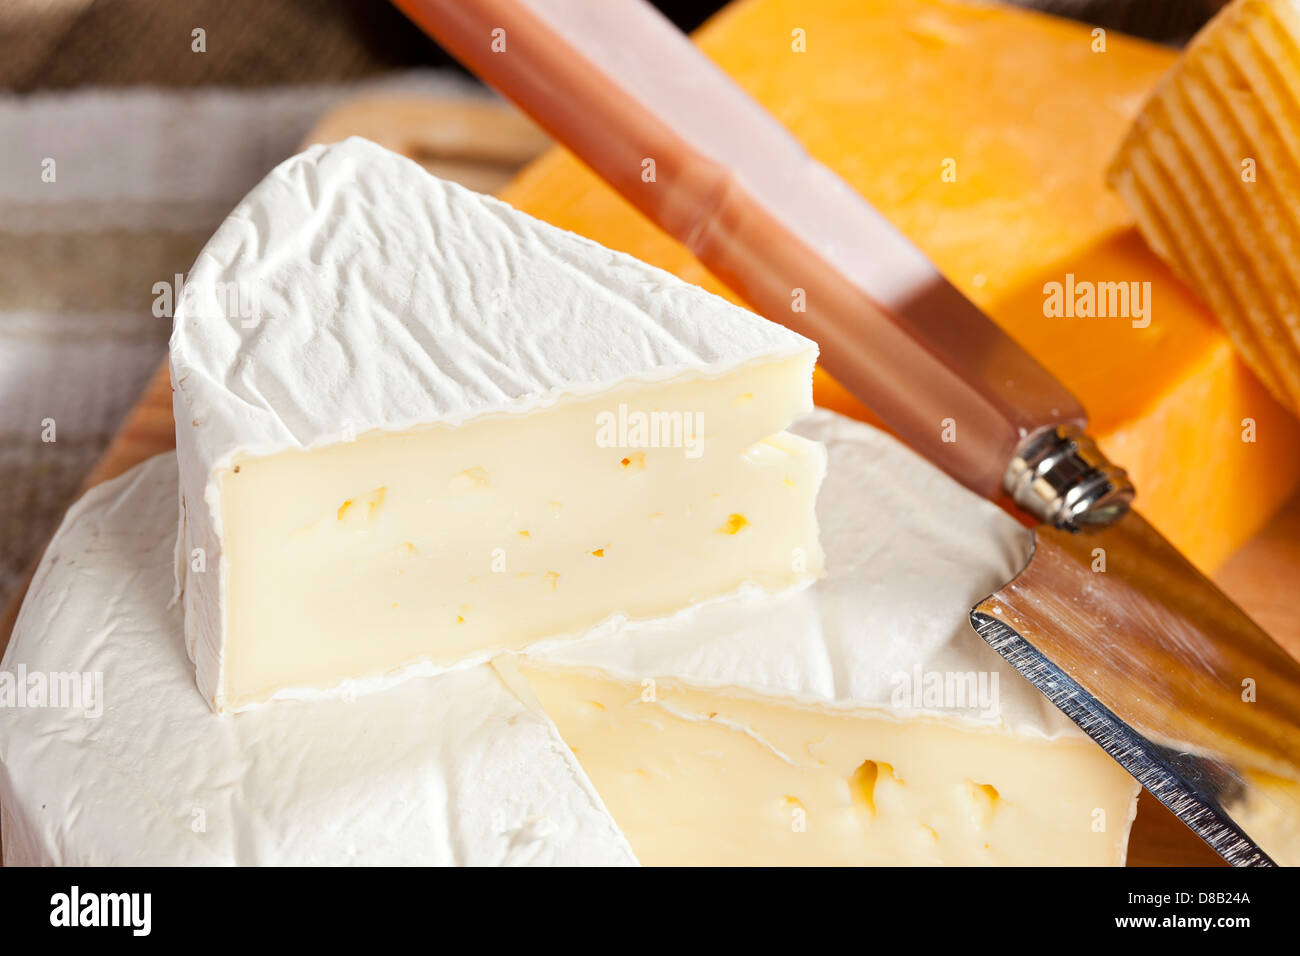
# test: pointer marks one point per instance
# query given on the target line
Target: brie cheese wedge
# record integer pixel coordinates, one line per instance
(417, 428)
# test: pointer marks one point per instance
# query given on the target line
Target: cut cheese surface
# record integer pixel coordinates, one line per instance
(860, 720)
(709, 778)
(444, 770)
(1210, 170)
(417, 428)
(453, 544)
(996, 168)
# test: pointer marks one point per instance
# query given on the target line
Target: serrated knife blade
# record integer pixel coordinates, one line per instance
(1167, 675)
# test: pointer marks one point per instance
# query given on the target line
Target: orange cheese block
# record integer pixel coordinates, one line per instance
(984, 134)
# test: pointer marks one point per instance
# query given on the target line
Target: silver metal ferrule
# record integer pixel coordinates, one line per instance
(1060, 477)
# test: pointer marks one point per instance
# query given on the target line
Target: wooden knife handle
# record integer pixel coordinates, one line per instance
(620, 86)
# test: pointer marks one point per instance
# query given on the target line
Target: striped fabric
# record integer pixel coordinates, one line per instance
(141, 178)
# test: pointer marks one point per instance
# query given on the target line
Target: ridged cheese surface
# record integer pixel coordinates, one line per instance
(1211, 169)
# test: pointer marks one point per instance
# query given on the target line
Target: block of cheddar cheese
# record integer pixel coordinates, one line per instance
(984, 133)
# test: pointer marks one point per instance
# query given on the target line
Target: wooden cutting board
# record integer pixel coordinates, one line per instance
(482, 144)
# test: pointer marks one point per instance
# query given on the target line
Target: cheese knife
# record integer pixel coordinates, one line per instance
(1108, 620)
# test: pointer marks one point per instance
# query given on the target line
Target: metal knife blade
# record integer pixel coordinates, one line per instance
(1173, 680)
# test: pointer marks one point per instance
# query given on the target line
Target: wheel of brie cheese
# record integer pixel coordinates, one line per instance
(813, 727)
(498, 547)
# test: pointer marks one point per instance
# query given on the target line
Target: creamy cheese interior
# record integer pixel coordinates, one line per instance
(443, 545)
(696, 777)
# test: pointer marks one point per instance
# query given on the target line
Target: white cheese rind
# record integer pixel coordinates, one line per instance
(908, 553)
(325, 781)
(447, 770)
(352, 292)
